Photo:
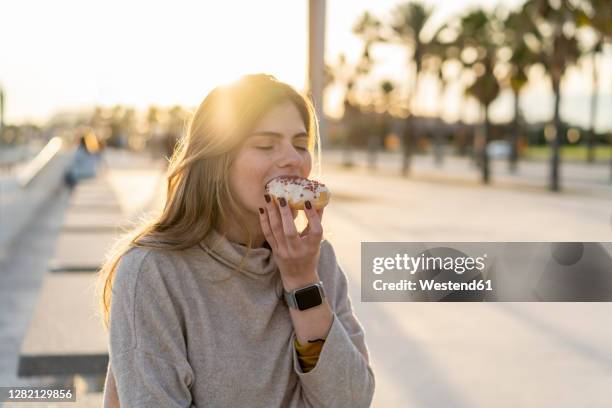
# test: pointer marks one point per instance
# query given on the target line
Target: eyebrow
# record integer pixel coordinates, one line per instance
(277, 134)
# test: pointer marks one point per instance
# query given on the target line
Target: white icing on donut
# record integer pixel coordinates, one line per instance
(295, 189)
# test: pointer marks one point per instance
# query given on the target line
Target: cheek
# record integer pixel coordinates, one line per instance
(247, 177)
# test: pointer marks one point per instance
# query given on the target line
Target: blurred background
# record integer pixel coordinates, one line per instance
(482, 120)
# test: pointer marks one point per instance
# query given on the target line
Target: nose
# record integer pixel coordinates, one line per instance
(290, 157)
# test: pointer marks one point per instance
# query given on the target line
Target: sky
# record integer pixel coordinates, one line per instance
(67, 55)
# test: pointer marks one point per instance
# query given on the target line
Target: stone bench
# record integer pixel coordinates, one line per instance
(92, 222)
(81, 251)
(65, 336)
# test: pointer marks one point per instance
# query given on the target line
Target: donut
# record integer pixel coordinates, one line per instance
(297, 190)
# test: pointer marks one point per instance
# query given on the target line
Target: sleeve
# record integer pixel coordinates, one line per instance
(147, 347)
(342, 376)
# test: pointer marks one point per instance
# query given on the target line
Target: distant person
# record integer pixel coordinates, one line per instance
(86, 160)
(195, 299)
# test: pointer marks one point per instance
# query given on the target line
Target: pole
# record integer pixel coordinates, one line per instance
(1, 115)
(316, 61)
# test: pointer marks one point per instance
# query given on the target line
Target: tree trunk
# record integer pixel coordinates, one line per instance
(407, 143)
(555, 147)
(591, 142)
(372, 150)
(408, 136)
(439, 133)
(347, 159)
(438, 150)
(485, 156)
(514, 137)
(350, 117)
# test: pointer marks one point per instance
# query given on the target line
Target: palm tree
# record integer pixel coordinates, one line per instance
(344, 74)
(480, 39)
(367, 28)
(555, 42)
(348, 76)
(386, 90)
(407, 24)
(596, 14)
(116, 116)
(441, 56)
(435, 65)
(591, 140)
(516, 27)
(154, 131)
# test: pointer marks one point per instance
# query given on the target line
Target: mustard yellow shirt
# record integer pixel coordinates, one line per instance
(308, 354)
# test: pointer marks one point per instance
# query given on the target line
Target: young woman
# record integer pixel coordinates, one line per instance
(198, 315)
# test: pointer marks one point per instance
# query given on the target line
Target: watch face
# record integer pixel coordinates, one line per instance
(308, 297)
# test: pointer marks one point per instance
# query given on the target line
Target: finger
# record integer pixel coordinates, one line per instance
(291, 234)
(265, 228)
(307, 229)
(315, 228)
(320, 212)
(276, 225)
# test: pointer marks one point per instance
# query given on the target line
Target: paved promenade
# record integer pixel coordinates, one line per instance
(424, 354)
(474, 355)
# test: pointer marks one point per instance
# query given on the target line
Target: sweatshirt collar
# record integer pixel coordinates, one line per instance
(259, 261)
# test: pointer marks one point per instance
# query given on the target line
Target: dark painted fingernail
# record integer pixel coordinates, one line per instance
(308, 205)
(261, 211)
(267, 197)
(282, 201)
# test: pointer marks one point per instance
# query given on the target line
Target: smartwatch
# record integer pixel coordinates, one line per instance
(306, 297)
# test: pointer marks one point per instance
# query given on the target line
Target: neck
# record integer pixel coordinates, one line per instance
(237, 234)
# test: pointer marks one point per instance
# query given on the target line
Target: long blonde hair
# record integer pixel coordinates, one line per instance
(198, 197)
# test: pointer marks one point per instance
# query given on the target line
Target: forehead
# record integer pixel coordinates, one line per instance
(284, 118)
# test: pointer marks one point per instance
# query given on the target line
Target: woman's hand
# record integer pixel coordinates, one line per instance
(296, 254)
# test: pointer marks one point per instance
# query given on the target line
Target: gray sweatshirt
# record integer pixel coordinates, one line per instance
(188, 330)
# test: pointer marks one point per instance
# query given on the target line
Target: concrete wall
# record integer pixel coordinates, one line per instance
(18, 204)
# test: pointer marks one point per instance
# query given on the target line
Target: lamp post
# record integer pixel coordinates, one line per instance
(316, 60)
(1, 115)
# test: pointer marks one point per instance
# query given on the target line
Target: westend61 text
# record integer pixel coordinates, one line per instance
(431, 284)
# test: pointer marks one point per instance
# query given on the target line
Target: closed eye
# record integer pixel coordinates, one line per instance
(271, 147)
